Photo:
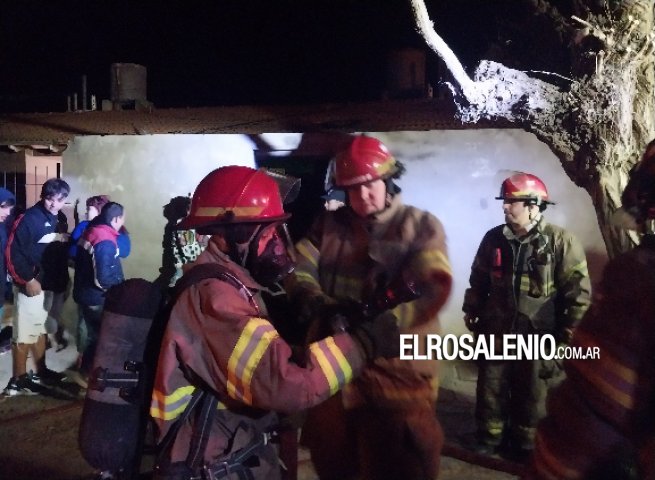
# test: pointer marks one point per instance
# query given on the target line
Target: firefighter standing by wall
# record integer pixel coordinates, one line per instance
(528, 277)
(221, 353)
(601, 419)
(384, 425)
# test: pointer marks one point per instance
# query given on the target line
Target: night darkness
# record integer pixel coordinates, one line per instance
(208, 53)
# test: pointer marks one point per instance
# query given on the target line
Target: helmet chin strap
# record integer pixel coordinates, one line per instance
(531, 215)
(239, 251)
(387, 200)
(392, 190)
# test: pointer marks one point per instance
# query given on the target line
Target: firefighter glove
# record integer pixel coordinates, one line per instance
(551, 368)
(315, 307)
(350, 311)
(379, 337)
(564, 336)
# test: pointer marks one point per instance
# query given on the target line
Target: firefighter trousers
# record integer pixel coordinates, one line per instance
(373, 442)
(509, 401)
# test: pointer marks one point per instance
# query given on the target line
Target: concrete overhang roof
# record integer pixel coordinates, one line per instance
(57, 129)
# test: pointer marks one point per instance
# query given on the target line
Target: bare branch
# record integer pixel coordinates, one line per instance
(495, 91)
(434, 41)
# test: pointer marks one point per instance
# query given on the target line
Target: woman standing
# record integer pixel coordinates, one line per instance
(97, 268)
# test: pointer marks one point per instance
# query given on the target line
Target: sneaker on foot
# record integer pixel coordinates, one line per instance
(480, 446)
(105, 475)
(48, 377)
(22, 385)
(518, 454)
(6, 333)
(486, 449)
(5, 339)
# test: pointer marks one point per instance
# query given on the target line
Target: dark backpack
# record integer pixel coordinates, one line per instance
(115, 416)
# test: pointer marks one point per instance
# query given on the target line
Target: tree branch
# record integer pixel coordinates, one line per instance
(598, 123)
(495, 91)
(439, 46)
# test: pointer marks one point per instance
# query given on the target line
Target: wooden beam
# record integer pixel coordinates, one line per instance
(391, 115)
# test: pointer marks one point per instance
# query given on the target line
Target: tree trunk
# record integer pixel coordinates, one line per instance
(598, 125)
(613, 120)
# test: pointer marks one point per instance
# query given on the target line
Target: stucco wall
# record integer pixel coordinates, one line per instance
(453, 174)
(143, 173)
(456, 175)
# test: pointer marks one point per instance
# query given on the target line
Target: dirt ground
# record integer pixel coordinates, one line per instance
(38, 436)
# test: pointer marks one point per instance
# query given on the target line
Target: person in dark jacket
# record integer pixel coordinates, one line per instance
(7, 202)
(94, 206)
(27, 248)
(57, 282)
(97, 268)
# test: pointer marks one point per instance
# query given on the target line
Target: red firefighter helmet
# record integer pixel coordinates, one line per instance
(524, 186)
(235, 194)
(364, 160)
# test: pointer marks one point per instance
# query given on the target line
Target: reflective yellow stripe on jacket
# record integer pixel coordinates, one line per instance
(614, 381)
(580, 268)
(308, 251)
(249, 350)
(406, 314)
(348, 287)
(429, 261)
(169, 407)
(332, 362)
(427, 265)
(306, 273)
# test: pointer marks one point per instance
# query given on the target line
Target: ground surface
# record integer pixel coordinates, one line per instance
(38, 435)
(39, 440)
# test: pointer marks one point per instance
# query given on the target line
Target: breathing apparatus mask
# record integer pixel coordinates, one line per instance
(265, 250)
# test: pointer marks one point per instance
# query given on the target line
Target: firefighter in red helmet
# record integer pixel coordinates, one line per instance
(600, 421)
(526, 187)
(366, 159)
(384, 423)
(223, 369)
(529, 277)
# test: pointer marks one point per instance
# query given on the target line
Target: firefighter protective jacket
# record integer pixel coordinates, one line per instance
(541, 277)
(218, 336)
(603, 414)
(348, 257)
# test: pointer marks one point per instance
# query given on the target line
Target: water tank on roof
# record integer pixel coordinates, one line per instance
(128, 82)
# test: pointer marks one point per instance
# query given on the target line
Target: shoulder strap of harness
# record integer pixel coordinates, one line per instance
(206, 271)
(202, 398)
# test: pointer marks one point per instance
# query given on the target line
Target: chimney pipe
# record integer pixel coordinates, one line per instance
(84, 93)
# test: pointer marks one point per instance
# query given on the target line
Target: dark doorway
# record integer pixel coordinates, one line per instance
(311, 171)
